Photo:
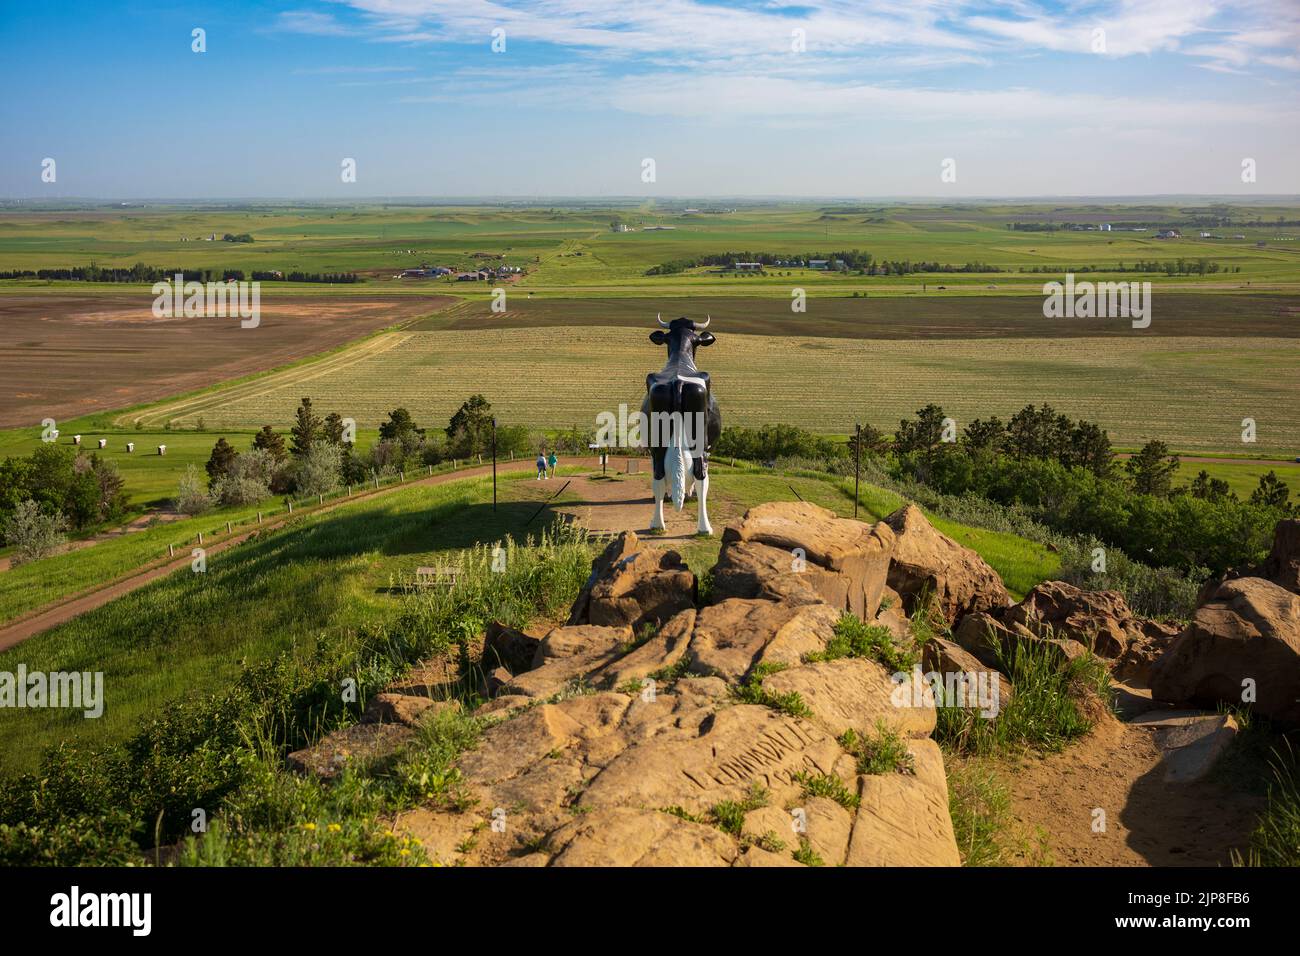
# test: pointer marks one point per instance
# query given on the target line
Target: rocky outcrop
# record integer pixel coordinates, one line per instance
(1100, 620)
(1134, 665)
(629, 745)
(926, 562)
(801, 553)
(1244, 640)
(631, 586)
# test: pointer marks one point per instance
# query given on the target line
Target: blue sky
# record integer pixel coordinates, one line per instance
(1028, 98)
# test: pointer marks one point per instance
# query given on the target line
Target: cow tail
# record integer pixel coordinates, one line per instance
(677, 461)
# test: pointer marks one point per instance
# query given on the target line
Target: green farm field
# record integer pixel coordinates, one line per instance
(1189, 391)
(573, 248)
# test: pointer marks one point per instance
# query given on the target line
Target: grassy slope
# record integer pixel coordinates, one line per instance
(186, 633)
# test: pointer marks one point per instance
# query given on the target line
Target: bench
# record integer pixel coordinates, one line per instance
(437, 577)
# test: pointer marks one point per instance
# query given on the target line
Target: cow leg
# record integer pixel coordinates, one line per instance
(657, 489)
(702, 486)
(657, 484)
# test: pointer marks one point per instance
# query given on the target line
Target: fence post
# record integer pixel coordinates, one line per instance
(171, 550)
(320, 499)
(290, 503)
(259, 517)
(200, 538)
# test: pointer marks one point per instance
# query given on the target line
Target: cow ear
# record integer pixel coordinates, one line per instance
(705, 338)
(658, 336)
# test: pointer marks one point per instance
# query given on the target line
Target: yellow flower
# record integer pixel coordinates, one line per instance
(309, 826)
(334, 828)
(404, 852)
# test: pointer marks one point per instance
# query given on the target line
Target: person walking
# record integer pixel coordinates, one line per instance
(552, 461)
(541, 466)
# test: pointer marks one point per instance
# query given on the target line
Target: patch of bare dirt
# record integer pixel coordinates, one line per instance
(68, 355)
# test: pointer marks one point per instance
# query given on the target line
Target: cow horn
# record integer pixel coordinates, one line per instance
(660, 317)
(707, 320)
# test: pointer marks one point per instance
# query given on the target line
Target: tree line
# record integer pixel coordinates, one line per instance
(143, 273)
(848, 260)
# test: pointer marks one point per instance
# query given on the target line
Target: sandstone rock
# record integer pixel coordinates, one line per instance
(1250, 629)
(927, 765)
(440, 833)
(631, 585)
(854, 694)
(627, 836)
(404, 709)
(1143, 651)
(829, 827)
(844, 562)
(991, 641)
(925, 561)
(529, 859)
(1282, 566)
(1190, 742)
(621, 547)
(945, 657)
(665, 649)
(503, 704)
(1097, 619)
(733, 636)
(509, 648)
(733, 750)
(757, 856)
(567, 654)
(902, 821)
(892, 615)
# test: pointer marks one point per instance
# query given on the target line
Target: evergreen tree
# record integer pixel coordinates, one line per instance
(270, 441)
(307, 430)
(1271, 493)
(220, 461)
(469, 431)
(1152, 469)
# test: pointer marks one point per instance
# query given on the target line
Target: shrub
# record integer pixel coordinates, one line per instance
(318, 469)
(247, 479)
(33, 533)
(192, 496)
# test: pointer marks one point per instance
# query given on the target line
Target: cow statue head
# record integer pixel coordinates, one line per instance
(683, 419)
(683, 337)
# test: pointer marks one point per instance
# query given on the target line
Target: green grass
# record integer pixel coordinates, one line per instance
(190, 633)
(1044, 713)
(980, 806)
(885, 751)
(853, 638)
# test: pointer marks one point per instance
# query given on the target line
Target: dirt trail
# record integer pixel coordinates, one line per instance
(620, 502)
(1118, 768)
(51, 616)
(139, 523)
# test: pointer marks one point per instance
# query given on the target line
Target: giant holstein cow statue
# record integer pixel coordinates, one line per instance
(684, 421)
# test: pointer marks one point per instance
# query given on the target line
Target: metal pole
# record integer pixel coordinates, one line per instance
(857, 458)
(494, 464)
